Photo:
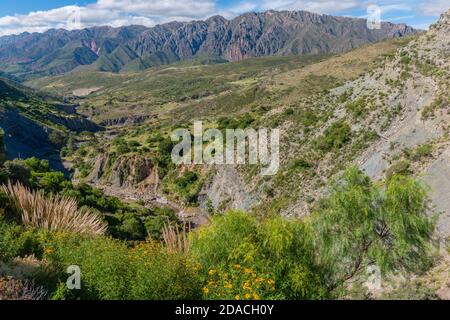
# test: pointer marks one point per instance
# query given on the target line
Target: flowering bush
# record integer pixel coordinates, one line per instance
(239, 283)
(112, 270)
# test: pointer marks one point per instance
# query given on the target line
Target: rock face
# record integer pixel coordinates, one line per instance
(127, 171)
(225, 191)
(248, 35)
(425, 103)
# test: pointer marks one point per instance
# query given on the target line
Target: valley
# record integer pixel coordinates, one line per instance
(364, 122)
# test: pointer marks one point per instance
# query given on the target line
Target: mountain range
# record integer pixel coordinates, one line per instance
(134, 48)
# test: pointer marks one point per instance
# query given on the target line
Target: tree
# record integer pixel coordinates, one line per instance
(17, 171)
(58, 138)
(362, 224)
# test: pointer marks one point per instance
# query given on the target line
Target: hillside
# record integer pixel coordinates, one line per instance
(250, 92)
(359, 207)
(383, 104)
(35, 124)
(137, 48)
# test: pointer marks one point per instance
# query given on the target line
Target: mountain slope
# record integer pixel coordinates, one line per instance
(30, 120)
(136, 47)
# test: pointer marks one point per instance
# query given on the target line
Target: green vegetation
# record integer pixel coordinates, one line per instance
(126, 221)
(238, 256)
(429, 111)
(356, 108)
(334, 137)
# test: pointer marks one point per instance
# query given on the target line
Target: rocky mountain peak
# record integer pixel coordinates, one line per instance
(443, 23)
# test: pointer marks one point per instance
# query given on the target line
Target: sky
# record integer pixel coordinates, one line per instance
(38, 15)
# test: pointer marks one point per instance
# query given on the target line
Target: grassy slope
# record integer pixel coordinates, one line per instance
(257, 91)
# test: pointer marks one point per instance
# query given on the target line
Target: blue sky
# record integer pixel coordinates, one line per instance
(38, 15)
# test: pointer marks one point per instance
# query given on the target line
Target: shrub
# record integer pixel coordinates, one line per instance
(422, 151)
(362, 224)
(58, 138)
(15, 289)
(52, 212)
(104, 264)
(10, 245)
(17, 171)
(356, 108)
(162, 274)
(334, 137)
(239, 283)
(399, 168)
(53, 182)
(17, 241)
(416, 289)
(275, 249)
(110, 270)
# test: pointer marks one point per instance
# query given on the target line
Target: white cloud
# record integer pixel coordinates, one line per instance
(150, 12)
(318, 6)
(435, 7)
(181, 8)
(109, 12)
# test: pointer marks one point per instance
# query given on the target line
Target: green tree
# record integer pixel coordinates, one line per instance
(58, 138)
(362, 224)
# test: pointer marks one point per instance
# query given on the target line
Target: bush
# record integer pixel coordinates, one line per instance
(155, 223)
(275, 249)
(16, 241)
(53, 182)
(356, 108)
(362, 224)
(110, 270)
(160, 274)
(399, 168)
(58, 138)
(104, 265)
(238, 284)
(334, 137)
(17, 171)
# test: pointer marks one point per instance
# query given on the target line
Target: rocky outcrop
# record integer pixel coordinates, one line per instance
(225, 190)
(425, 104)
(127, 171)
(131, 170)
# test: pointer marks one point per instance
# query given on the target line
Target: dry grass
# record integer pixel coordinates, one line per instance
(14, 289)
(175, 240)
(52, 212)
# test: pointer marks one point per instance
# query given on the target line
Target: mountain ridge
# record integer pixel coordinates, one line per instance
(58, 51)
